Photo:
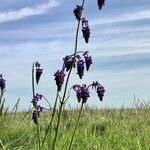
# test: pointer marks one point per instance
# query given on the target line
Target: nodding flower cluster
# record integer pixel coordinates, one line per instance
(85, 27)
(37, 108)
(59, 77)
(77, 12)
(2, 83)
(39, 71)
(68, 62)
(85, 30)
(100, 3)
(82, 91)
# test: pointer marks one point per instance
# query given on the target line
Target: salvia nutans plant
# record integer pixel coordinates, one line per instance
(79, 60)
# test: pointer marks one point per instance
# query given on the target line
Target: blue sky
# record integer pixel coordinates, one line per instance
(45, 31)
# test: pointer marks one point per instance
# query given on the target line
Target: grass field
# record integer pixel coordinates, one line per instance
(99, 129)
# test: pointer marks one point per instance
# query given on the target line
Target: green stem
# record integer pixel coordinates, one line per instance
(76, 126)
(35, 105)
(66, 85)
(1, 96)
(52, 118)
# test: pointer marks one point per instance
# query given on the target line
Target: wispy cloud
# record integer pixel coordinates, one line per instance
(27, 11)
(132, 16)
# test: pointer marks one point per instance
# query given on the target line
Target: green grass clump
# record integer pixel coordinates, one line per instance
(99, 129)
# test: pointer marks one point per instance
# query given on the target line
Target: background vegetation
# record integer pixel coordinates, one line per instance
(99, 129)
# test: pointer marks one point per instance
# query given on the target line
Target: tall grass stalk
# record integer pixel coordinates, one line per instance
(67, 81)
(72, 138)
(51, 121)
(1, 145)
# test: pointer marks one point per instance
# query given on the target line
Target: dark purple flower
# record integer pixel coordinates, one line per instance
(59, 77)
(99, 89)
(36, 116)
(36, 98)
(100, 92)
(2, 83)
(39, 71)
(68, 60)
(100, 3)
(82, 93)
(77, 12)
(88, 60)
(80, 68)
(85, 30)
(77, 88)
(39, 108)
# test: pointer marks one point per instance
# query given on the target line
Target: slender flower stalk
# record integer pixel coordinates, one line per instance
(73, 135)
(67, 80)
(51, 121)
(35, 104)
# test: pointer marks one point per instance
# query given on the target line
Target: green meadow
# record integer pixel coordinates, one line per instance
(98, 129)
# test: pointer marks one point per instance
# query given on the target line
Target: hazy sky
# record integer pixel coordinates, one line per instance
(45, 31)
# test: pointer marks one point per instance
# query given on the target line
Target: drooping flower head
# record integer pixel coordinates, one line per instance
(68, 60)
(85, 30)
(36, 98)
(59, 77)
(100, 3)
(88, 60)
(99, 89)
(39, 71)
(77, 12)
(82, 92)
(35, 116)
(80, 68)
(2, 83)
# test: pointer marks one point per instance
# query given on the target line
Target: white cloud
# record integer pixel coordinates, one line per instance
(132, 16)
(27, 11)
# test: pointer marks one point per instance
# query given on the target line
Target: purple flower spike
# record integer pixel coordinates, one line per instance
(2, 83)
(77, 12)
(85, 30)
(59, 77)
(82, 92)
(39, 71)
(80, 68)
(88, 60)
(100, 3)
(68, 60)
